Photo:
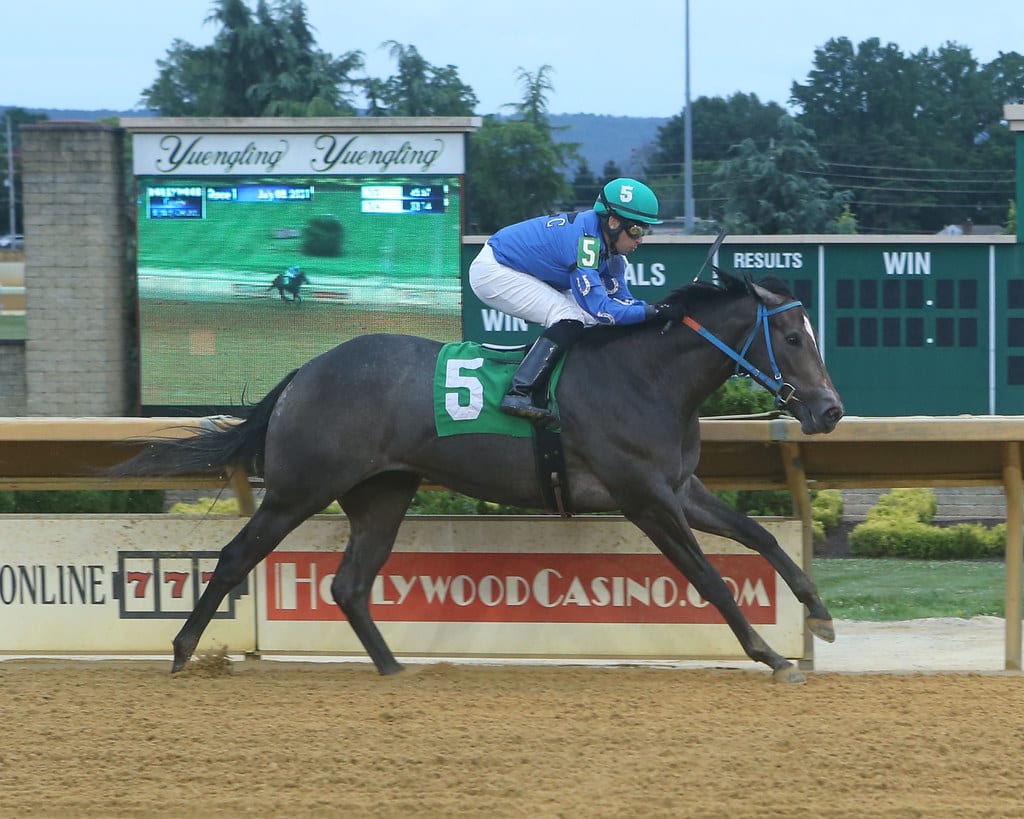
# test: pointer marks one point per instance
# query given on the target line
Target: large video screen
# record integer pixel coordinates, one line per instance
(242, 279)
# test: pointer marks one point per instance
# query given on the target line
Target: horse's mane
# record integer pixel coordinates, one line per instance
(694, 294)
(691, 297)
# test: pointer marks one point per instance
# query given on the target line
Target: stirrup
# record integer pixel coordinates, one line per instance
(523, 407)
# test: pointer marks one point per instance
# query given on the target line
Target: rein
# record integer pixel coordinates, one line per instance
(774, 383)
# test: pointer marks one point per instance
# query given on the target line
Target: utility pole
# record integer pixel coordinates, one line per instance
(688, 206)
(10, 175)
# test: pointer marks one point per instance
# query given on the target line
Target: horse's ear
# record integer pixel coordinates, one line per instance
(728, 281)
(764, 295)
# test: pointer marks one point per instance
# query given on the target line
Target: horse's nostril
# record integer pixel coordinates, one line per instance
(834, 413)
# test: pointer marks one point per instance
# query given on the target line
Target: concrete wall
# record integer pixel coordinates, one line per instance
(13, 396)
(951, 503)
(77, 273)
(12, 351)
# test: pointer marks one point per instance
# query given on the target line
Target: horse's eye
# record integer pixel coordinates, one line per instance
(793, 339)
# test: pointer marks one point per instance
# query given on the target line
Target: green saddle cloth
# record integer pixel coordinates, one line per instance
(470, 380)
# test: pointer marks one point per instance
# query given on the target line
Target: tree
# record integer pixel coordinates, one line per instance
(861, 101)
(420, 89)
(15, 117)
(780, 189)
(513, 167)
(1005, 77)
(183, 86)
(534, 109)
(514, 164)
(610, 171)
(585, 187)
(718, 124)
(374, 90)
(240, 55)
(265, 64)
(536, 87)
(303, 81)
(918, 138)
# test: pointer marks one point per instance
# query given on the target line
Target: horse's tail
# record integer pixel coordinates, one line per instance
(222, 443)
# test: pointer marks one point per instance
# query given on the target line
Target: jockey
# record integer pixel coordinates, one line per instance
(565, 272)
(289, 274)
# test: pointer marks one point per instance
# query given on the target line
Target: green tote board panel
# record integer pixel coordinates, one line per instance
(908, 328)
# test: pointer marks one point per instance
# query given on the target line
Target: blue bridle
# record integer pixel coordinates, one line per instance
(774, 383)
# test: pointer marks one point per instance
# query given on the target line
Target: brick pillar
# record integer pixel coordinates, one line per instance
(78, 283)
(12, 378)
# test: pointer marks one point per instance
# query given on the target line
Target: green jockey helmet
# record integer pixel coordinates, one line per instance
(631, 200)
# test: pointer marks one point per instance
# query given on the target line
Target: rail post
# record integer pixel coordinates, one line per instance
(1012, 486)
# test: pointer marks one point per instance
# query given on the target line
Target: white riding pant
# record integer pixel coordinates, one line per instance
(520, 294)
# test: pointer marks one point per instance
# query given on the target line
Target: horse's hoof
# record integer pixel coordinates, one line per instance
(789, 673)
(822, 629)
(391, 669)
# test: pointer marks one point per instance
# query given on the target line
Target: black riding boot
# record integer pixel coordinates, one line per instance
(531, 381)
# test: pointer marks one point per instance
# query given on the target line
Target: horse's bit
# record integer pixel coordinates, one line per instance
(774, 383)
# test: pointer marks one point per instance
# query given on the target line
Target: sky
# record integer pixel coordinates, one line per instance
(606, 58)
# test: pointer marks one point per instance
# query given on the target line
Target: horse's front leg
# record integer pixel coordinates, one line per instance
(705, 511)
(665, 525)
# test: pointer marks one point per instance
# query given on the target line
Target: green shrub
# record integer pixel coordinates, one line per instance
(974, 540)
(891, 537)
(996, 545)
(817, 532)
(826, 505)
(6, 502)
(826, 513)
(744, 396)
(899, 526)
(226, 506)
(738, 396)
(206, 506)
(114, 501)
(444, 502)
(764, 502)
(426, 502)
(323, 236)
(910, 504)
(827, 508)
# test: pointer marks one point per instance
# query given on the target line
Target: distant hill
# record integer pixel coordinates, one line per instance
(81, 116)
(603, 137)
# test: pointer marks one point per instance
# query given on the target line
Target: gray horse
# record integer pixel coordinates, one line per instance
(356, 425)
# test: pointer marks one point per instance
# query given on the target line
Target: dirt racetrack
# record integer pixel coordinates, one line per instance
(125, 738)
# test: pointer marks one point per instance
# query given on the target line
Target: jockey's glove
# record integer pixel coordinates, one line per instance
(657, 312)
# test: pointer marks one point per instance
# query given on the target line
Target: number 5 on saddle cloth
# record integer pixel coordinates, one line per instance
(470, 379)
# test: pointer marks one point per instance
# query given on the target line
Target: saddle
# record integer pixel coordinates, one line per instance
(470, 379)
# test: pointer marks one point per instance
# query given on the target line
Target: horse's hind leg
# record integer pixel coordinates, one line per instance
(259, 537)
(707, 512)
(375, 509)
